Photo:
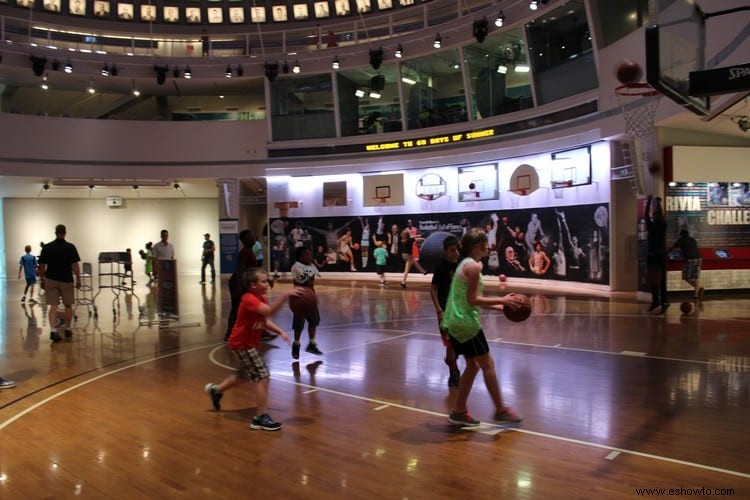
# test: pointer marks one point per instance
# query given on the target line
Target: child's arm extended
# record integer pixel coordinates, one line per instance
(270, 325)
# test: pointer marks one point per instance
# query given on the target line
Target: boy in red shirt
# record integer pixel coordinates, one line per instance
(252, 320)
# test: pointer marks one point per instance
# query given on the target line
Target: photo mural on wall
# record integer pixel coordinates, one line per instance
(562, 243)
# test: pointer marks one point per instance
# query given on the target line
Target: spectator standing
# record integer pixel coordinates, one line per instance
(258, 252)
(58, 265)
(656, 257)
(28, 265)
(207, 258)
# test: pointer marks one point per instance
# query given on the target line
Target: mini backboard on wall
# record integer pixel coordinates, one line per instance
(431, 186)
(334, 194)
(383, 190)
(478, 182)
(571, 167)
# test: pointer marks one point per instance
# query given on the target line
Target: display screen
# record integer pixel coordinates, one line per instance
(722, 254)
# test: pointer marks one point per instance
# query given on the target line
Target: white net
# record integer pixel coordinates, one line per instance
(638, 102)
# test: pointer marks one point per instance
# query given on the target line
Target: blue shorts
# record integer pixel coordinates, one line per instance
(30, 280)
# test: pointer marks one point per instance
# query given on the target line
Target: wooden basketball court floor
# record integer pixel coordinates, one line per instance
(616, 400)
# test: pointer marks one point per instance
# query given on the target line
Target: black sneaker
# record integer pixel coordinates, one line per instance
(454, 378)
(55, 337)
(264, 422)
(214, 395)
(506, 416)
(295, 350)
(23, 298)
(312, 348)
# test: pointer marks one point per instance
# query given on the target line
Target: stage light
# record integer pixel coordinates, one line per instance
(105, 70)
(285, 68)
(113, 70)
(187, 74)
(296, 68)
(68, 68)
(359, 93)
(533, 5)
(38, 65)
(44, 85)
(161, 74)
(240, 71)
(399, 52)
(500, 20)
(335, 64)
(272, 71)
(480, 28)
(228, 72)
(438, 42)
(376, 58)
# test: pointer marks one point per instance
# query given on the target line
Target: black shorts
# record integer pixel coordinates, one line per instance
(313, 320)
(475, 346)
(380, 268)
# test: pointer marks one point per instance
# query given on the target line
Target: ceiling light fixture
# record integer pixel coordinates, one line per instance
(228, 72)
(480, 28)
(105, 70)
(187, 74)
(399, 52)
(296, 68)
(68, 68)
(438, 42)
(534, 4)
(135, 91)
(335, 64)
(500, 20)
(376, 58)
(359, 93)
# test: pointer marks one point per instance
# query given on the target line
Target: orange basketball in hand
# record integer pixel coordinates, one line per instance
(520, 314)
(355, 246)
(305, 304)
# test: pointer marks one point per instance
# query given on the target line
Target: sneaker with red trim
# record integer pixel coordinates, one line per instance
(462, 419)
(506, 416)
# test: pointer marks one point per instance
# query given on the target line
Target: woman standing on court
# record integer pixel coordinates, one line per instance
(461, 320)
(656, 257)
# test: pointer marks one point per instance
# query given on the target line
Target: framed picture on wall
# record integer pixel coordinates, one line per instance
(258, 14)
(279, 13)
(193, 15)
(54, 5)
(125, 11)
(322, 10)
(171, 14)
(101, 8)
(215, 15)
(364, 6)
(148, 13)
(236, 15)
(342, 7)
(385, 4)
(300, 11)
(77, 7)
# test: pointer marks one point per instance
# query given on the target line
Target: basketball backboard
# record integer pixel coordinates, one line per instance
(675, 47)
(571, 167)
(477, 183)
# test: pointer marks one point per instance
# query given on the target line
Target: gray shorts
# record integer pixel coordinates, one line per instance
(691, 269)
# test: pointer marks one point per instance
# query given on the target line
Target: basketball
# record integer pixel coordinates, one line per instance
(503, 277)
(628, 71)
(355, 246)
(686, 307)
(521, 314)
(305, 304)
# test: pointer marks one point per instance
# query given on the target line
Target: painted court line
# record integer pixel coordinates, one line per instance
(381, 407)
(612, 455)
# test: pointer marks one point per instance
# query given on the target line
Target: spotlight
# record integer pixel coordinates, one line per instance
(240, 71)
(45, 186)
(502, 69)
(68, 68)
(399, 52)
(480, 28)
(91, 187)
(272, 71)
(228, 72)
(335, 64)
(114, 71)
(500, 20)
(534, 4)
(105, 70)
(161, 74)
(359, 93)
(176, 72)
(285, 68)
(376, 58)
(38, 64)
(438, 42)
(44, 85)
(176, 186)
(296, 68)
(135, 187)
(187, 74)
(55, 65)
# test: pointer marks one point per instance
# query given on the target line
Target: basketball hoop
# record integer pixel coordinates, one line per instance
(557, 191)
(638, 102)
(519, 192)
(284, 207)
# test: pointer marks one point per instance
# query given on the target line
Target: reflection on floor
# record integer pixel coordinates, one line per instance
(613, 396)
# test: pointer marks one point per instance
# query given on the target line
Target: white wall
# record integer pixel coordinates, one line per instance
(94, 228)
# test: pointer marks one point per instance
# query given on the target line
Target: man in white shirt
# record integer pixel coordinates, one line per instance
(163, 250)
